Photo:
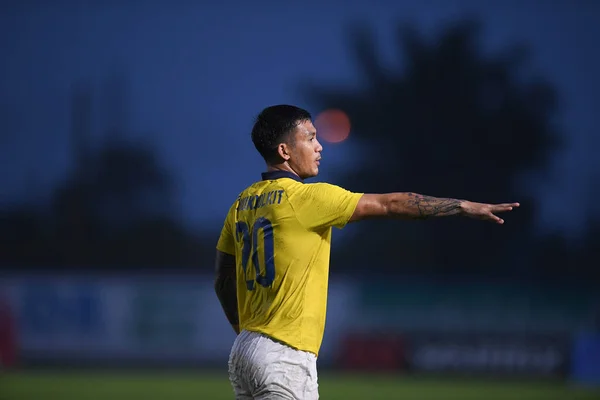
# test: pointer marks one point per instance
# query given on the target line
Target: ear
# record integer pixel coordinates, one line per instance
(283, 149)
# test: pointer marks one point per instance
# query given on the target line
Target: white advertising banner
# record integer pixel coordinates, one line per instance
(158, 318)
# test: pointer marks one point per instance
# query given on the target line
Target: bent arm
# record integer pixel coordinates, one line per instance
(405, 205)
(225, 287)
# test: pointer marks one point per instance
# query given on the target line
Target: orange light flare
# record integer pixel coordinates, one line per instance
(333, 126)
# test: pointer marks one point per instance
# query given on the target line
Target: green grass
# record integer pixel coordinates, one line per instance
(213, 386)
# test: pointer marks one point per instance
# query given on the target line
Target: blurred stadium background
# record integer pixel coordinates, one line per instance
(125, 138)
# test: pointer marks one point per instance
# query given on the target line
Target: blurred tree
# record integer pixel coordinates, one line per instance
(23, 236)
(122, 184)
(454, 123)
(113, 191)
(589, 261)
(115, 210)
(580, 258)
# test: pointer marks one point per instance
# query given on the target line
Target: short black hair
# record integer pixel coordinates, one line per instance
(273, 126)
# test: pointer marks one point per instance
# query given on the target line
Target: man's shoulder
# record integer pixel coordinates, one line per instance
(322, 187)
(253, 187)
(264, 186)
(291, 187)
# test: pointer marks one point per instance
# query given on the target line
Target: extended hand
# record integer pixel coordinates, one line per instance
(486, 212)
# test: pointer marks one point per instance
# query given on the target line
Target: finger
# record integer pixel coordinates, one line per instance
(514, 205)
(496, 219)
(504, 207)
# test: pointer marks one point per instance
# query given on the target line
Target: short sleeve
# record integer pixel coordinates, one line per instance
(322, 205)
(226, 242)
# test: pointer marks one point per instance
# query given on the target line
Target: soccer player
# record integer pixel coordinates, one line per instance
(272, 261)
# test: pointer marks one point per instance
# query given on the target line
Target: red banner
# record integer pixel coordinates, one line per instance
(8, 345)
(372, 352)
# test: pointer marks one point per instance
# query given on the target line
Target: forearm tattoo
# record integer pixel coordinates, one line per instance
(427, 206)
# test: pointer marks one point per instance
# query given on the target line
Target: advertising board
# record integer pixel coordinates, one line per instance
(129, 320)
(586, 359)
(506, 354)
(511, 354)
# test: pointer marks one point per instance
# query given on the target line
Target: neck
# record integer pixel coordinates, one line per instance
(281, 167)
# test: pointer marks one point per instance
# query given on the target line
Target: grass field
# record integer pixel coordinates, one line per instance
(213, 386)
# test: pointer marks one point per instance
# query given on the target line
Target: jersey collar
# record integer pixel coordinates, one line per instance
(271, 175)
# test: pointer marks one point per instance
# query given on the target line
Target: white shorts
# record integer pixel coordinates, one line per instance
(262, 369)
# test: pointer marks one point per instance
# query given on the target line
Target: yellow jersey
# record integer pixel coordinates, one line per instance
(279, 230)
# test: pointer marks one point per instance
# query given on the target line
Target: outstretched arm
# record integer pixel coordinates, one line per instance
(417, 206)
(225, 287)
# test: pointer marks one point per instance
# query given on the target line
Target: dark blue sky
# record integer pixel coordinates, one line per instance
(198, 75)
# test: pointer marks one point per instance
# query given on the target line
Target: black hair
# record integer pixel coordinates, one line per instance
(273, 126)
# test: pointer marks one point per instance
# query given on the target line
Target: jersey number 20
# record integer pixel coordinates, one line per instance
(250, 250)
